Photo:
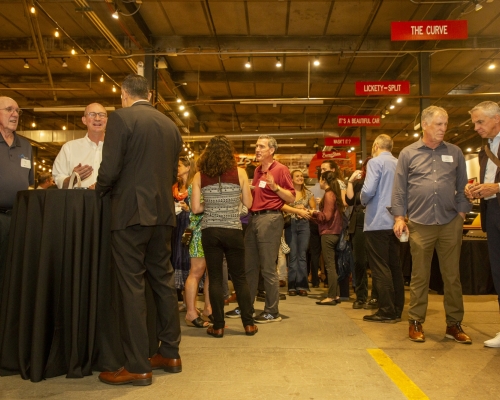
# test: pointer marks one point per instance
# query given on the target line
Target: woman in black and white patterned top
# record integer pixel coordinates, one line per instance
(223, 186)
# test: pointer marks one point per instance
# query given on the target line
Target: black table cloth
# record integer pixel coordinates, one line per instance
(58, 310)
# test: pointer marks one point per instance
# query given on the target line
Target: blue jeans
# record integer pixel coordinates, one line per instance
(297, 238)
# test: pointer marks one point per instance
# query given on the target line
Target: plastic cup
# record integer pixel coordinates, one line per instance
(404, 236)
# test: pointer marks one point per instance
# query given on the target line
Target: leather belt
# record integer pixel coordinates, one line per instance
(260, 212)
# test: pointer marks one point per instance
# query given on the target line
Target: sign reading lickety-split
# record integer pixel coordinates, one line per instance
(359, 120)
(382, 88)
(429, 30)
(342, 141)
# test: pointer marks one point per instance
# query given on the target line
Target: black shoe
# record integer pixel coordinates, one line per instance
(371, 304)
(378, 318)
(282, 296)
(358, 304)
(266, 317)
(261, 296)
(236, 313)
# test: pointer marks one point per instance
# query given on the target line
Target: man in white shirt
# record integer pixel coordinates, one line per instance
(486, 119)
(83, 155)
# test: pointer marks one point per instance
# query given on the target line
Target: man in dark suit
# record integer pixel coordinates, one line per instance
(486, 119)
(138, 169)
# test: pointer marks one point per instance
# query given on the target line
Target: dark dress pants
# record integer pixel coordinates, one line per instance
(315, 252)
(493, 231)
(138, 252)
(383, 252)
(218, 242)
(360, 263)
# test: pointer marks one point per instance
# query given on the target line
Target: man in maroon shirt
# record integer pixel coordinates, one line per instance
(273, 187)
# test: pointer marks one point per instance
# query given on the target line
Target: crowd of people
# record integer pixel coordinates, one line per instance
(186, 227)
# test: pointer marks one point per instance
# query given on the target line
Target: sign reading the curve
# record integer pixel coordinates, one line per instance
(429, 30)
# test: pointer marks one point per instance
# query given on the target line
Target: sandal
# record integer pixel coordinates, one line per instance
(197, 323)
(207, 318)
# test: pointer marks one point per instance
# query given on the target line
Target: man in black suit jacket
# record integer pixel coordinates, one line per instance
(486, 119)
(138, 169)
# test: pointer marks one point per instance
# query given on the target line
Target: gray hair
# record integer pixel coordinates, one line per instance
(384, 142)
(490, 108)
(429, 113)
(271, 141)
(136, 86)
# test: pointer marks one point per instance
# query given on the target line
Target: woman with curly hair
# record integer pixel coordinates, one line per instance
(222, 185)
(329, 220)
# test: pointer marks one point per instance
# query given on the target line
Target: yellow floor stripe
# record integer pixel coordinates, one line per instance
(405, 384)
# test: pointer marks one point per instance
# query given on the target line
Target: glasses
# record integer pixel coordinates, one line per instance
(12, 109)
(94, 114)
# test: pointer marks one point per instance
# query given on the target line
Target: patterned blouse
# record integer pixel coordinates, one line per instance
(303, 201)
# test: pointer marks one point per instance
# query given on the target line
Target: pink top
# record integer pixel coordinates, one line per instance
(264, 198)
(328, 218)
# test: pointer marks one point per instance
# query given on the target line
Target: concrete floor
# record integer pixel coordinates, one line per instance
(314, 353)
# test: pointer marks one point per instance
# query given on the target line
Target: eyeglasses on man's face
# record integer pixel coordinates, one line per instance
(12, 109)
(94, 114)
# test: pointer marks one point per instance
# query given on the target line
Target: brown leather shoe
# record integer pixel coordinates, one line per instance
(232, 298)
(282, 283)
(457, 333)
(218, 333)
(251, 330)
(122, 377)
(416, 332)
(303, 293)
(172, 365)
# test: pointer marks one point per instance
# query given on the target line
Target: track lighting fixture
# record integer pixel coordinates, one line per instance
(115, 15)
(56, 33)
(88, 64)
(114, 89)
(32, 9)
(316, 61)
(64, 65)
(26, 65)
(73, 51)
(248, 64)
(278, 62)
(101, 79)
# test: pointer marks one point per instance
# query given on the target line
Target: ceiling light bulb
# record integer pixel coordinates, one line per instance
(101, 78)
(386, 111)
(248, 64)
(115, 15)
(491, 66)
(32, 9)
(33, 124)
(399, 99)
(43, 161)
(353, 148)
(56, 33)
(469, 149)
(64, 127)
(382, 116)
(26, 65)
(73, 51)
(360, 161)
(392, 106)
(316, 61)
(182, 107)
(186, 114)
(64, 65)
(179, 100)
(416, 134)
(88, 64)
(278, 62)
(114, 89)
(349, 150)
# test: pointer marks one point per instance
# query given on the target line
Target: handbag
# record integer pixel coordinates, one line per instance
(72, 181)
(187, 236)
(284, 247)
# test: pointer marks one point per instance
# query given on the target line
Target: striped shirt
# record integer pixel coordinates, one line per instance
(222, 200)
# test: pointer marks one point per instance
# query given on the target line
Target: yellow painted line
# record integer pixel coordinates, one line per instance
(405, 384)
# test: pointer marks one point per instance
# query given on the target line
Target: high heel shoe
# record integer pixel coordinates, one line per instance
(207, 318)
(197, 323)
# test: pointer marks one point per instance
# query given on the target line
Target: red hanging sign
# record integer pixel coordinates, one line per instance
(382, 88)
(358, 120)
(429, 30)
(341, 141)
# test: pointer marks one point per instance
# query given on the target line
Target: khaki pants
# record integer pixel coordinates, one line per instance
(447, 240)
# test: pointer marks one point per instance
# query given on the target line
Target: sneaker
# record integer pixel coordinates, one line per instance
(261, 296)
(358, 304)
(266, 317)
(236, 313)
(495, 342)
(371, 304)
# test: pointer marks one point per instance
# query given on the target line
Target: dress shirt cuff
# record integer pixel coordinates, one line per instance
(464, 207)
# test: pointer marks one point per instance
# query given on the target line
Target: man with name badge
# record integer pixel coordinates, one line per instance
(486, 119)
(16, 172)
(84, 155)
(273, 187)
(429, 188)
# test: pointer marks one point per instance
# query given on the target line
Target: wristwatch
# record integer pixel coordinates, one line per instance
(277, 189)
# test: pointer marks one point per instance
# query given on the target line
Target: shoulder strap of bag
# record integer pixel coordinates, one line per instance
(491, 156)
(72, 180)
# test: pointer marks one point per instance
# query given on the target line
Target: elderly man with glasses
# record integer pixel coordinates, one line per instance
(16, 169)
(83, 155)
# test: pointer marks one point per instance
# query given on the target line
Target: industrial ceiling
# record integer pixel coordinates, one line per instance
(199, 50)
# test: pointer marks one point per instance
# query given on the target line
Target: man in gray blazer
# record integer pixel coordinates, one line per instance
(138, 169)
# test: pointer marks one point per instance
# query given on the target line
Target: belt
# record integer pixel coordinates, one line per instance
(260, 212)
(7, 211)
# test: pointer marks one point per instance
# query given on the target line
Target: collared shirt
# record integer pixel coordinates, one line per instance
(491, 168)
(16, 169)
(376, 192)
(263, 197)
(79, 151)
(429, 183)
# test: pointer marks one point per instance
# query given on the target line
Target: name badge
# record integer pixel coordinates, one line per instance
(262, 184)
(25, 163)
(447, 158)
